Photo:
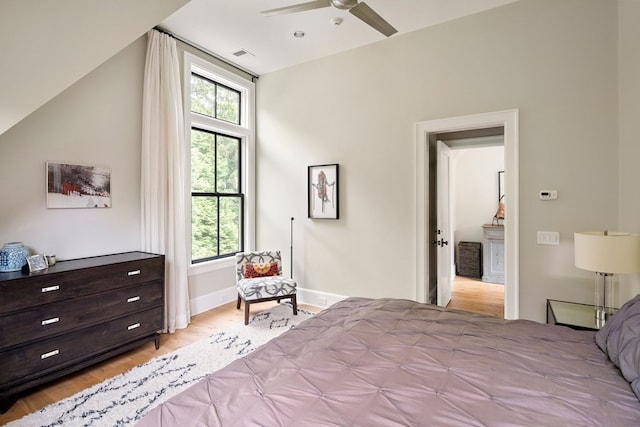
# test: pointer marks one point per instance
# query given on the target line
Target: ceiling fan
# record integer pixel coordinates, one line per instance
(359, 9)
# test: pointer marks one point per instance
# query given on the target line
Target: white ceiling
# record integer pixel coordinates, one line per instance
(226, 26)
(47, 46)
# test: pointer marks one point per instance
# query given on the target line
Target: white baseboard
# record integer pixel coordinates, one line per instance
(216, 299)
(317, 298)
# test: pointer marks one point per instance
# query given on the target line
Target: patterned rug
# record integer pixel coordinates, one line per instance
(126, 398)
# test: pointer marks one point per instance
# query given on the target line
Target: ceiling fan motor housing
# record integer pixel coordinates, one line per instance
(358, 9)
(344, 4)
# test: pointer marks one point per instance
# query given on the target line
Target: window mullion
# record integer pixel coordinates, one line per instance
(215, 100)
(215, 163)
(215, 188)
(218, 224)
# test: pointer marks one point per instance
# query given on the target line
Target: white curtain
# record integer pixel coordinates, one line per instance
(162, 181)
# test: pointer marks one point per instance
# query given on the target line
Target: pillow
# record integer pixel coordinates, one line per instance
(619, 338)
(260, 269)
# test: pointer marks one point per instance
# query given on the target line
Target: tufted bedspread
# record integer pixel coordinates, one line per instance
(390, 362)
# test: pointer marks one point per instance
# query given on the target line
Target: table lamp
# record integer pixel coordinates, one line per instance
(606, 253)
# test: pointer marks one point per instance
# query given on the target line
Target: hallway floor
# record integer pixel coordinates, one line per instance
(477, 296)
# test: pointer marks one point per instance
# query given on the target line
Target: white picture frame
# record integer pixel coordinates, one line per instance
(78, 186)
(37, 262)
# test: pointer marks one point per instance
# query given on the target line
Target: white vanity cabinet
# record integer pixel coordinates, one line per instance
(493, 253)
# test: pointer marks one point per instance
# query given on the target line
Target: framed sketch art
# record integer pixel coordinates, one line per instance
(322, 188)
(78, 186)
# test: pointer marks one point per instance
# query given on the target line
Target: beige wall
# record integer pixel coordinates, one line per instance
(629, 105)
(553, 60)
(49, 45)
(95, 121)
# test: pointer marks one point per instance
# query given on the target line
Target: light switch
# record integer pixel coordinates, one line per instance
(548, 194)
(548, 238)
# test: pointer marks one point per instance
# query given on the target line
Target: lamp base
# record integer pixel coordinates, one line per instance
(601, 317)
(603, 298)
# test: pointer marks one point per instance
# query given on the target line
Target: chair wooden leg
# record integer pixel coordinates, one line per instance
(294, 302)
(246, 312)
(239, 301)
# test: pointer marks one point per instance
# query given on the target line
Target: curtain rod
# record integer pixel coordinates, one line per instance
(208, 52)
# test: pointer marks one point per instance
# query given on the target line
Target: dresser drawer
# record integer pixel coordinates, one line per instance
(51, 287)
(45, 320)
(37, 359)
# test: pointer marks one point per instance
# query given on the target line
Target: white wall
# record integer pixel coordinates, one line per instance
(554, 61)
(476, 190)
(95, 121)
(629, 107)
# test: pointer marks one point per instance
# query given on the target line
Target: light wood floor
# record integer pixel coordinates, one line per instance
(467, 294)
(477, 296)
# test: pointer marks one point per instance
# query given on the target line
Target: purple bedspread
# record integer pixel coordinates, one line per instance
(390, 362)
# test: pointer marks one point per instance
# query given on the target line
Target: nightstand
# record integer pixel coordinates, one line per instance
(571, 314)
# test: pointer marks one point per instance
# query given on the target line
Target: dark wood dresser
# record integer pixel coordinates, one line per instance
(74, 314)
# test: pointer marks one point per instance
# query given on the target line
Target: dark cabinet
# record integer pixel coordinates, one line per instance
(74, 314)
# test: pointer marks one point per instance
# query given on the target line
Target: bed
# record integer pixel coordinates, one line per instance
(393, 362)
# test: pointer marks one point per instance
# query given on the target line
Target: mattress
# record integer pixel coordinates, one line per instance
(393, 362)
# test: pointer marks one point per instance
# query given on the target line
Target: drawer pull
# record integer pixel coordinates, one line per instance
(51, 288)
(133, 299)
(135, 325)
(51, 353)
(50, 321)
(133, 273)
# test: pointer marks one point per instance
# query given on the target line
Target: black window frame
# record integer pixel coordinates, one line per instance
(217, 84)
(218, 195)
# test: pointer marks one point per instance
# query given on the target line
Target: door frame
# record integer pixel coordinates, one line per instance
(509, 120)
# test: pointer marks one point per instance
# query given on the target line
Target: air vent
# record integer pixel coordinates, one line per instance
(243, 52)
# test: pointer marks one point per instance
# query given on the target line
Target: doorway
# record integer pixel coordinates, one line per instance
(476, 162)
(428, 131)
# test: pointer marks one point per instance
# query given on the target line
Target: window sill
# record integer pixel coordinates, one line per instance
(208, 266)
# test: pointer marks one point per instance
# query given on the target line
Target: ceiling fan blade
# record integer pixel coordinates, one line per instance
(369, 16)
(297, 8)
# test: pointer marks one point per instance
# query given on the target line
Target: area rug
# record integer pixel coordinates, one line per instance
(126, 398)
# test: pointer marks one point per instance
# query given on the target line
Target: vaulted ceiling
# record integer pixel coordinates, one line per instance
(227, 26)
(48, 45)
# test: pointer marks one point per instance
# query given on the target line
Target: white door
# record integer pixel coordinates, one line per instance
(444, 245)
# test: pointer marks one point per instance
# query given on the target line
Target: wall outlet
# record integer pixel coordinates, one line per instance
(322, 301)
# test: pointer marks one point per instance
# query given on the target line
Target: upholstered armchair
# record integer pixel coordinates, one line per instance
(259, 278)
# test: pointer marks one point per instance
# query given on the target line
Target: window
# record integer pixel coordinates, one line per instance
(214, 100)
(221, 135)
(216, 199)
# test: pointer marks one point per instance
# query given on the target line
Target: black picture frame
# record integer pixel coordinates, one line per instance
(323, 191)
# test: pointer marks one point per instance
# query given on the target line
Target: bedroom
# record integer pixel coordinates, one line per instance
(568, 66)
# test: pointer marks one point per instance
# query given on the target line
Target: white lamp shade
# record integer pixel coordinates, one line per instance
(614, 252)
